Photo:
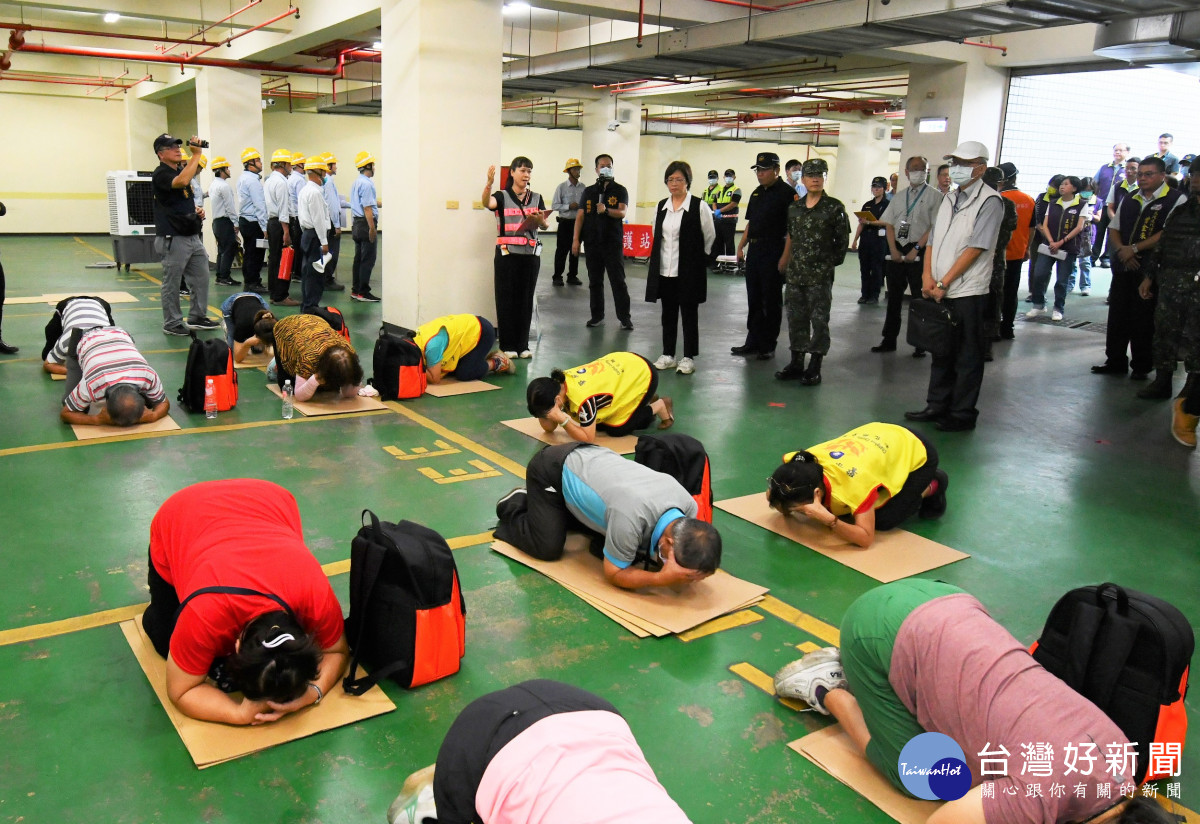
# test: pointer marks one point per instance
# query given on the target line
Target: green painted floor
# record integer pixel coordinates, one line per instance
(1069, 480)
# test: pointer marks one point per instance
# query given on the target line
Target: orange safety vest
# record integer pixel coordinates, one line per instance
(509, 218)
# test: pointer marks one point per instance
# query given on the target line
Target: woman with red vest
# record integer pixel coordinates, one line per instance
(520, 214)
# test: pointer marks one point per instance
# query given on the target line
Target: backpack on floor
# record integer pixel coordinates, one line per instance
(1129, 654)
(399, 364)
(54, 328)
(684, 459)
(209, 358)
(333, 316)
(407, 616)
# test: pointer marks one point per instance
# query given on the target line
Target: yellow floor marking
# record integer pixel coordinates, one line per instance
(813, 626)
(458, 472)
(741, 618)
(807, 647)
(233, 427)
(457, 475)
(463, 441)
(212, 310)
(37, 632)
(766, 683)
(422, 451)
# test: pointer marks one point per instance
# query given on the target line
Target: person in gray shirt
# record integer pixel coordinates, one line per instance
(643, 522)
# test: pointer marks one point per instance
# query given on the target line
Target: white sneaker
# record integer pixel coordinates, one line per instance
(510, 355)
(800, 679)
(1056, 315)
(686, 366)
(526, 354)
(665, 362)
(1034, 312)
(415, 804)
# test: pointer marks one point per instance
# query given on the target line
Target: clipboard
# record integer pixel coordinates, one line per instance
(866, 216)
(531, 222)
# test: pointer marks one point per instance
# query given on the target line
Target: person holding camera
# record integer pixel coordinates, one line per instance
(178, 221)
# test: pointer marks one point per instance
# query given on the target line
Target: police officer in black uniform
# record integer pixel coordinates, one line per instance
(765, 234)
(599, 224)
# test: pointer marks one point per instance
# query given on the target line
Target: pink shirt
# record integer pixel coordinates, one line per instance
(578, 767)
(960, 673)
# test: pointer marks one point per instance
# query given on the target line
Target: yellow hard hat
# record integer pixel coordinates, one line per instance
(220, 162)
(281, 156)
(328, 157)
(184, 156)
(250, 154)
(362, 159)
(315, 163)
(203, 161)
(572, 163)
(298, 159)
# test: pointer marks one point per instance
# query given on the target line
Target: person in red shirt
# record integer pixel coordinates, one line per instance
(1017, 251)
(235, 595)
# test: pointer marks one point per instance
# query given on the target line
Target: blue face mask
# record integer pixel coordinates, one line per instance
(728, 180)
(605, 171)
(1086, 195)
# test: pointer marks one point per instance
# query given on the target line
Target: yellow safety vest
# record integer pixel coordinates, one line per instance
(710, 195)
(463, 330)
(725, 196)
(867, 466)
(620, 379)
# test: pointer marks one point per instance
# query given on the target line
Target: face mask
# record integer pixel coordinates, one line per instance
(1052, 190)
(1087, 195)
(605, 171)
(795, 175)
(712, 181)
(916, 178)
(728, 180)
(960, 175)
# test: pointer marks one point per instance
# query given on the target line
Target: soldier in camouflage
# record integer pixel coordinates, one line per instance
(993, 177)
(1174, 272)
(818, 236)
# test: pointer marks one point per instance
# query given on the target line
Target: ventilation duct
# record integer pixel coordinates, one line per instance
(1169, 41)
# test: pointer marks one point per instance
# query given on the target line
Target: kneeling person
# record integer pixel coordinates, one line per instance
(648, 521)
(81, 313)
(104, 366)
(879, 474)
(235, 594)
(312, 355)
(249, 324)
(460, 347)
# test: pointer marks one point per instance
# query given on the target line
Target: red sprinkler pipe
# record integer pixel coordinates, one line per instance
(181, 60)
(109, 35)
(1002, 49)
(292, 10)
(209, 28)
(641, 19)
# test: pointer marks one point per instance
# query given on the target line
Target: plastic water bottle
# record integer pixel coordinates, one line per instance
(288, 394)
(210, 399)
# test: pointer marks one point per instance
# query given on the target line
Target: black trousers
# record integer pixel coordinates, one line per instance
(564, 237)
(297, 260)
(870, 266)
(252, 256)
(606, 259)
(538, 525)
(1098, 250)
(365, 250)
(335, 249)
(1008, 301)
(226, 237)
(159, 618)
(764, 294)
(312, 285)
(900, 276)
(515, 282)
(955, 379)
(484, 727)
(643, 416)
(726, 230)
(474, 365)
(907, 502)
(277, 287)
(1130, 339)
(2, 294)
(672, 309)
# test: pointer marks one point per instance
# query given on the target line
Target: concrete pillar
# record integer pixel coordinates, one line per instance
(657, 151)
(623, 142)
(229, 117)
(939, 90)
(144, 121)
(441, 126)
(862, 153)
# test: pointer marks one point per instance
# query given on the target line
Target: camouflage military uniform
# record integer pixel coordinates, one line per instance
(991, 319)
(820, 237)
(1175, 269)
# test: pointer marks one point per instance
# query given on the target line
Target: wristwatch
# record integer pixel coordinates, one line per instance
(941, 286)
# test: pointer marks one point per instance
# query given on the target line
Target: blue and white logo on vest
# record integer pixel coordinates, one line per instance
(932, 766)
(836, 455)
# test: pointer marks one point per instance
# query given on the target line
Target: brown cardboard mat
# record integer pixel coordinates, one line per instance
(832, 750)
(53, 299)
(658, 611)
(210, 743)
(253, 361)
(624, 445)
(895, 554)
(330, 403)
(56, 377)
(87, 433)
(449, 387)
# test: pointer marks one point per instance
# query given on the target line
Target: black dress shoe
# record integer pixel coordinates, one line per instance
(744, 349)
(1007, 334)
(918, 352)
(574, 282)
(885, 345)
(332, 285)
(926, 414)
(557, 282)
(7, 349)
(955, 425)
(1109, 369)
(766, 355)
(594, 322)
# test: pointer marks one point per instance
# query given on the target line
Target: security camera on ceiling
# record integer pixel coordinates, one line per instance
(613, 125)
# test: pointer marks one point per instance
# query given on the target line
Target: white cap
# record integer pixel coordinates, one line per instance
(969, 151)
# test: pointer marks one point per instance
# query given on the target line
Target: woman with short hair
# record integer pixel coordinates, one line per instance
(314, 357)
(1062, 228)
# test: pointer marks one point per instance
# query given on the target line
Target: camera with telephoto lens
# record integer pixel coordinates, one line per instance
(203, 144)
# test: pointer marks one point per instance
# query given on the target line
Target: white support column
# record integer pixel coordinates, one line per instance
(863, 152)
(970, 95)
(144, 121)
(441, 128)
(657, 152)
(623, 142)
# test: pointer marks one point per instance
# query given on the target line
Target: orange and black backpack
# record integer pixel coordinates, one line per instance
(399, 364)
(684, 459)
(334, 317)
(209, 358)
(407, 617)
(1129, 654)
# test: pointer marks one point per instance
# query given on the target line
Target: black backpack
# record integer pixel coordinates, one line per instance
(54, 328)
(684, 459)
(398, 364)
(407, 616)
(209, 358)
(1128, 653)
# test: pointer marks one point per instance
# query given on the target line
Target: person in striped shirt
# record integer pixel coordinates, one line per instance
(79, 313)
(105, 368)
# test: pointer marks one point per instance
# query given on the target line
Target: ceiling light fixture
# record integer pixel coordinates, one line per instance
(515, 7)
(111, 17)
(378, 45)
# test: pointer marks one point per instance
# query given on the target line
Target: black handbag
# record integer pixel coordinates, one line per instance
(932, 326)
